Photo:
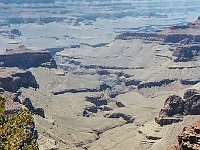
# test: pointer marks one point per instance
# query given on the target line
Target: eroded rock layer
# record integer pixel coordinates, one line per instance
(25, 58)
(11, 79)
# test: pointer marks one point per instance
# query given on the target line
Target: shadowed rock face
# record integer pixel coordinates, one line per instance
(37, 111)
(175, 107)
(190, 93)
(12, 79)
(186, 53)
(26, 58)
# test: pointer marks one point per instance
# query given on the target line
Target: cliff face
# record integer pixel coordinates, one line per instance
(11, 79)
(185, 38)
(174, 34)
(26, 58)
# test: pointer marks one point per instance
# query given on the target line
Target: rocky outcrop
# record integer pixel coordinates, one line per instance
(175, 107)
(132, 82)
(192, 105)
(11, 79)
(78, 90)
(25, 58)
(155, 83)
(98, 101)
(186, 53)
(16, 32)
(127, 118)
(119, 104)
(190, 93)
(189, 139)
(37, 111)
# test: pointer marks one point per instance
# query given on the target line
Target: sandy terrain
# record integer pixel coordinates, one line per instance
(65, 127)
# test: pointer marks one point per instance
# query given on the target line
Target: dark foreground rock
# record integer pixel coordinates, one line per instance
(189, 139)
(25, 58)
(175, 107)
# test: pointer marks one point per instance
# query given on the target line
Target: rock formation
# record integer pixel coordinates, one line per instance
(126, 117)
(37, 111)
(189, 139)
(12, 79)
(186, 53)
(174, 34)
(25, 58)
(175, 107)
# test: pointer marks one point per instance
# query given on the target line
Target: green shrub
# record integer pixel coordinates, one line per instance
(16, 130)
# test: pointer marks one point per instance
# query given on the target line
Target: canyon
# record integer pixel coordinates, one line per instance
(130, 84)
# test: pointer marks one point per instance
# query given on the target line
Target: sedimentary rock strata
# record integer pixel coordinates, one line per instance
(25, 58)
(12, 79)
(174, 34)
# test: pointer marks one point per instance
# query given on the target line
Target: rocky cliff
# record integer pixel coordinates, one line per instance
(189, 139)
(175, 107)
(174, 34)
(11, 79)
(25, 58)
